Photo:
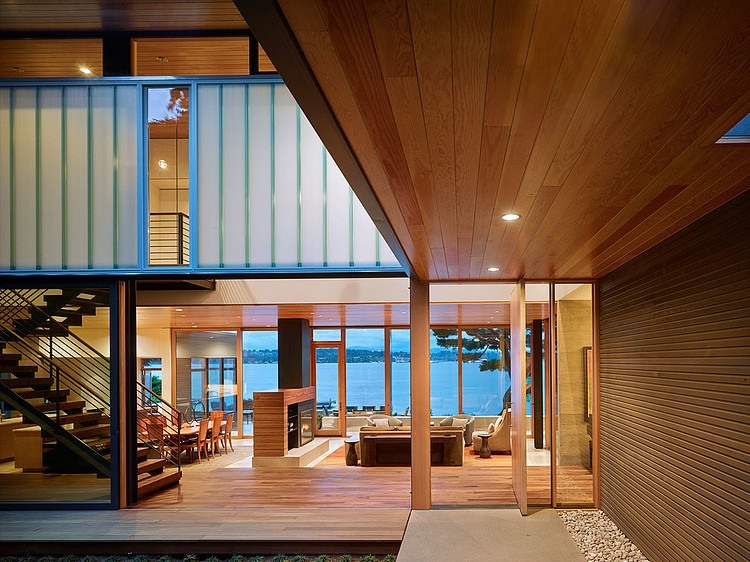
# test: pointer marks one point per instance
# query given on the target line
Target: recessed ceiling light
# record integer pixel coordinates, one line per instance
(85, 70)
(493, 269)
(511, 217)
(162, 164)
(178, 310)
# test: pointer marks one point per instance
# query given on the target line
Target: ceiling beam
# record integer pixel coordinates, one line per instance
(268, 24)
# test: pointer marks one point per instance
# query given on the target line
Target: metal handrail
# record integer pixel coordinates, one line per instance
(169, 239)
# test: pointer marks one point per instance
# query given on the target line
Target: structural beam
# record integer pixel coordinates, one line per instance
(419, 300)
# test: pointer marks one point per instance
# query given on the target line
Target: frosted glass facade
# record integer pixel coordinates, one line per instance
(263, 191)
(68, 178)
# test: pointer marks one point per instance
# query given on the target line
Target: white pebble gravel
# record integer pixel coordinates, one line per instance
(599, 538)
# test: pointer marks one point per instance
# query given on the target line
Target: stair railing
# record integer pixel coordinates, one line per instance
(159, 424)
(59, 354)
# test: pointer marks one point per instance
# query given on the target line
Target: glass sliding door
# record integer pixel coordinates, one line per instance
(444, 371)
(365, 371)
(574, 372)
(260, 370)
(400, 372)
(327, 377)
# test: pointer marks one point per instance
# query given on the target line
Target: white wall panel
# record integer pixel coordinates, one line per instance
(24, 177)
(50, 181)
(126, 103)
(76, 178)
(260, 175)
(337, 203)
(5, 141)
(311, 173)
(234, 119)
(285, 177)
(363, 236)
(102, 156)
(208, 180)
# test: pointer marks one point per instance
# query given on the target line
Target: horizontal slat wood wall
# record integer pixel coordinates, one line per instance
(675, 392)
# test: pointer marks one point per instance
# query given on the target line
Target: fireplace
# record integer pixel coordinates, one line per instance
(300, 419)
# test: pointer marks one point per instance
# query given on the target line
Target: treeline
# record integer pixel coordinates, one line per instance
(354, 355)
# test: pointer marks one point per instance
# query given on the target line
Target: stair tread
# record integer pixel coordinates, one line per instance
(9, 357)
(158, 481)
(83, 417)
(64, 406)
(49, 394)
(149, 465)
(91, 431)
(30, 382)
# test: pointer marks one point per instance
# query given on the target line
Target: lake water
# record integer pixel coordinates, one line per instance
(482, 391)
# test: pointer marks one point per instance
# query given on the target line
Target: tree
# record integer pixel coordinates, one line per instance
(476, 343)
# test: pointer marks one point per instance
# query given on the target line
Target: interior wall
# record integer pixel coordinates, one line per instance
(675, 392)
(574, 327)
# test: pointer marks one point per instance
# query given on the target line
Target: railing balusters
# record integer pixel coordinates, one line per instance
(169, 239)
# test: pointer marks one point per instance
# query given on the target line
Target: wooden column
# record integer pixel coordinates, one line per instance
(419, 297)
(518, 393)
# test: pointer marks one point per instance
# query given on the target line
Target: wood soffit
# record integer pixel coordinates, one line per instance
(594, 121)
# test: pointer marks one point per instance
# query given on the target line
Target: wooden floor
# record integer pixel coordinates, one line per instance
(230, 481)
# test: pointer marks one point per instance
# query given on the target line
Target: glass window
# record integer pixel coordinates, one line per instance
(151, 379)
(168, 179)
(400, 372)
(327, 335)
(260, 369)
(444, 371)
(485, 356)
(365, 370)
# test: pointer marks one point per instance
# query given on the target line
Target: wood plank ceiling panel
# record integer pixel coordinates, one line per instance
(593, 120)
(49, 58)
(191, 56)
(96, 15)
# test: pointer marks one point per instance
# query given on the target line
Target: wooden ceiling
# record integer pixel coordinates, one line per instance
(328, 315)
(595, 121)
(49, 58)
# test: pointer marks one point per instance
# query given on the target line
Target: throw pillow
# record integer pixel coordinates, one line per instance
(491, 428)
(460, 422)
(380, 422)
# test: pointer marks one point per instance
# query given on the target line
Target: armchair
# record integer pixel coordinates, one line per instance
(499, 431)
(392, 421)
(468, 425)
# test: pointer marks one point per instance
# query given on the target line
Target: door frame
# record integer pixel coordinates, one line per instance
(341, 399)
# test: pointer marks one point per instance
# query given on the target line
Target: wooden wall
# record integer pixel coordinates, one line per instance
(675, 392)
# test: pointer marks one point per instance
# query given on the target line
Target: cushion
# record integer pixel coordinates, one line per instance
(460, 422)
(491, 428)
(380, 422)
(446, 422)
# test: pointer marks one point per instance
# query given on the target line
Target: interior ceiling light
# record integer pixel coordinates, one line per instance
(493, 269)
(511, 217)
(85, 70)
(162, 164)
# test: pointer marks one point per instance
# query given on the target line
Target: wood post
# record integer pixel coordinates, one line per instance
(421, 493)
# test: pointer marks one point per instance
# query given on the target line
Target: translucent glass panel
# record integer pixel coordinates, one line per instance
(443, 371)
(574, 326)
(269, 195)
(365, 370)
(68, 177)
(400, 372)
(260, 369)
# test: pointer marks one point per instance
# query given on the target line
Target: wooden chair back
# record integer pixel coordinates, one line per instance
(227, 433)
(216, 434)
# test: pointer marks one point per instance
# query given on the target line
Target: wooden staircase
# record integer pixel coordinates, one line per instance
(75, 435)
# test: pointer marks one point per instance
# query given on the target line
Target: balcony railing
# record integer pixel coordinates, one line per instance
(169, 239)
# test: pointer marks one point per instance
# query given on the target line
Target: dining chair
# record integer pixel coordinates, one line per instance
(226, 434)
(217, 414)
(201, 443)
(215, 437)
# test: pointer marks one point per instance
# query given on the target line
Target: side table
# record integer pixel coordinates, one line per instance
(484, 450)
(351, 451)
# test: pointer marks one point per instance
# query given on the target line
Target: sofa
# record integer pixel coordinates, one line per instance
(499, 430)
(460, 420)
(381, 420)
(391, 446)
